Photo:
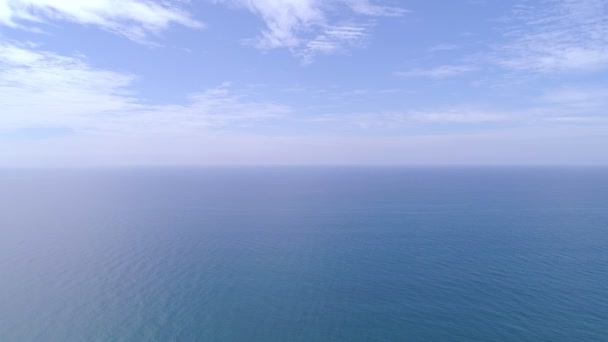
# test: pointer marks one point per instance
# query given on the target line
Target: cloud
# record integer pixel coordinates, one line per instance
(333, 40)
(578, 97)
(135, 19)
(442, 47)
(367, 7)
(539, 38)
(395, 120)
(556, 36)
(579, 120)
(515, 146)
(43, 89)
(574, 105)
(61, 111)
(312, 27)
(443, 71)
(459, 116)
(39, 87)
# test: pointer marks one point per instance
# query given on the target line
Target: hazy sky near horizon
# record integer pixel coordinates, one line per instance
(178, 82)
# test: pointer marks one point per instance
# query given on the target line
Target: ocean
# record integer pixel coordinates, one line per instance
(304, 254)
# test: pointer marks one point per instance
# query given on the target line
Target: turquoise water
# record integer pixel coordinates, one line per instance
(304, 254)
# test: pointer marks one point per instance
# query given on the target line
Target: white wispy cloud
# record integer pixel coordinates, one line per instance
(313, 27)
(135, 19)
(459, 115)
(333, 40)
(442, 47)
(540, 37)
(516, 146)
(579, 97)
(109, 125)
(368, 7)
(574, 104)
(556, 36)
(442, 71)
(40, 88)
(431, 116)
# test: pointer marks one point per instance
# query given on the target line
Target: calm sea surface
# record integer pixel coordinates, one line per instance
(304, 254)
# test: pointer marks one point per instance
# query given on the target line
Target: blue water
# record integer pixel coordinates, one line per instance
(304, 254)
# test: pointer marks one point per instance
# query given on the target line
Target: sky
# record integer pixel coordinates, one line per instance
(291, 82)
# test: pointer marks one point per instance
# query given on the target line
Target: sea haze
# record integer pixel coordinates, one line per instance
(304, 254)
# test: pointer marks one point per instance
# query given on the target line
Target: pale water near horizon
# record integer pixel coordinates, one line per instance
(304, 254)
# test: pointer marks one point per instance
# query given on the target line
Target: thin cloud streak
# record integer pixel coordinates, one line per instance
(556, 36)
(39, 88)
(134, 19)
(309, 27)
(443, 71)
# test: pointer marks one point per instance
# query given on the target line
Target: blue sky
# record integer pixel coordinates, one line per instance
(205, 82)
